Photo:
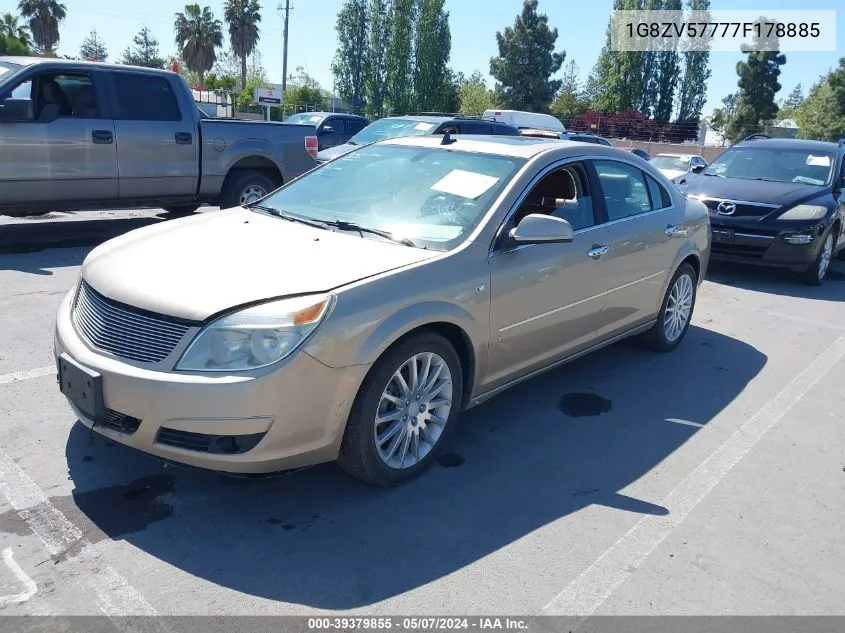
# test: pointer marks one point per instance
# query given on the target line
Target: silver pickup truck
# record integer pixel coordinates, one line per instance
(82, 135)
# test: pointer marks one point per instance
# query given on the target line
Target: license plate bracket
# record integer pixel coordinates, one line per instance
(724, 236)
(83, 387)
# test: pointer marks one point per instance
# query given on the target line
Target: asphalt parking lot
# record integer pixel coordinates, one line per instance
(707, 481)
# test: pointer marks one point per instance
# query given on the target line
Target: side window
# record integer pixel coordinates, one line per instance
(338, 125)
(563, 193)
(658, 196)
(474, 127)
(145, 98)
(59, 95)
(624, 189)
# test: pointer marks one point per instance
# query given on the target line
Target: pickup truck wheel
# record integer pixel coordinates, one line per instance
(244, 187)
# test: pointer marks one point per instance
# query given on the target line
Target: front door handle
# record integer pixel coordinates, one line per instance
(597, 251)
(102, 137)
(184, 138)
(675, 231)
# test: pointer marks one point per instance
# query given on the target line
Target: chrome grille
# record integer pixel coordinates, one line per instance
(124, 331)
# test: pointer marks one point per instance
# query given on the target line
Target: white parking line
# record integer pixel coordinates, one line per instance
(589, 590)
(30, 588)
(26, 375)
(114, 595)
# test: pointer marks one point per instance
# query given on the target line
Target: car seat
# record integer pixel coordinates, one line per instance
(53, 101)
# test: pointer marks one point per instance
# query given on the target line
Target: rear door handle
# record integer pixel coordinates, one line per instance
(184, 138)
(675, 231)
(102, 137)
(597, 251)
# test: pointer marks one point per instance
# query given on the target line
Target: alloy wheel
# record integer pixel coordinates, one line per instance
(678, 308)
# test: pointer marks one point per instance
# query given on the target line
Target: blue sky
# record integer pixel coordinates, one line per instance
(581, 28)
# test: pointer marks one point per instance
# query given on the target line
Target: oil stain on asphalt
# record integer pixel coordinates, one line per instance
(119, 510)
(579, 405)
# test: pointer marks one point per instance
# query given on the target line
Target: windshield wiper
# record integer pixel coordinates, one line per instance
(351, 142)
(714, 175)
(287, 216)
(343, 225)
(766, 179)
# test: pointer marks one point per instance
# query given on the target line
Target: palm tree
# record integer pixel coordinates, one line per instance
(44, 17)
(198, 36)
(243, 17)
(10, 28)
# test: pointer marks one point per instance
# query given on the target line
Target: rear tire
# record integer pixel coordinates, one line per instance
(817, 272)
(243, 187)
(675, 312)
(418, 422)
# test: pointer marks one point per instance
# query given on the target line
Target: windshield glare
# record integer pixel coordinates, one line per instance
(304, 118)
(671, 162)
(779, 165)
(391, 128)
(432, 196)
(6, 68)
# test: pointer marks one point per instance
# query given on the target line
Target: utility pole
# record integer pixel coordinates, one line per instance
(285, 17)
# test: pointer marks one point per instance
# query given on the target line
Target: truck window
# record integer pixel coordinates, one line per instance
(62, 94)
(353, 126)
(145, 98)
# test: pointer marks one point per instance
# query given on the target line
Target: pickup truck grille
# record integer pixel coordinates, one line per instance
(124, 331)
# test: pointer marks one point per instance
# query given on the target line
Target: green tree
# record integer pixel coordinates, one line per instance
(401, 17)
(221, 83)
(819, 117)
(12, 46)
(243, 18)
(618, 79)
(692, 91)
(837, 84)
(375, 82)
(45, 17)
(432, 49)
(145, 52)
(93, 48)
(476, 97)
(526, 62)
(666, 69)
(198, 36)
(12, 29)
(721, 117)
(304, 89)
(570, 102)
(758, 85)
(350, 59)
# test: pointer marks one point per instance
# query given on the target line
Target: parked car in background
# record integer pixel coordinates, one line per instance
(674, 165)
(414, 280)
(401, 126)
(82, 135)
(581, 137)
(333, 128)
(775, 202)
(636, 151)
(521, 119)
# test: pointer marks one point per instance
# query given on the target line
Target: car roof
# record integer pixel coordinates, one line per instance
(328, 114)
(509, 146)
(789, 143)
(75, 63)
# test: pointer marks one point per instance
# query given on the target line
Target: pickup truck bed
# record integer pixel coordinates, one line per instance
(81, 135)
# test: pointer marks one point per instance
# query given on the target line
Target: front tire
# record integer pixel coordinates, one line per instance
(404, 412)
(244, 187)
(817, 272)
(675, 314)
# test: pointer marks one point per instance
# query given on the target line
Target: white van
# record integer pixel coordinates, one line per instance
(521, 119)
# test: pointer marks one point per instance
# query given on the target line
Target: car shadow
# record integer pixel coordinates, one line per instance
(778, 282)
(543, 450)
(43, 262)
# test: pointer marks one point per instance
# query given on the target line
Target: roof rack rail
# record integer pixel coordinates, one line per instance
(755, 136)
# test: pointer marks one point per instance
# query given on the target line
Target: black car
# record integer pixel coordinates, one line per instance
(333, 128)
(397, 126)
(775, 202)
(581, 137)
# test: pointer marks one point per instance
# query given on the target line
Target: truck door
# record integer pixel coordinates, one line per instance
(157, 144)
(67, 154)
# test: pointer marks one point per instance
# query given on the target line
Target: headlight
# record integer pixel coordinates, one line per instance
(255, 337)
(804, 212)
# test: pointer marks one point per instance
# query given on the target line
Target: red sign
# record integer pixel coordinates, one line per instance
(175, 66)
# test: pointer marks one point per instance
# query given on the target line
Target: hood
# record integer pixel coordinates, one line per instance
(194, 267)
(777, 193)
(334, 152)
(672, 173)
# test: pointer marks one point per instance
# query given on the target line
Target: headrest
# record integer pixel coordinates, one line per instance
(617, 186)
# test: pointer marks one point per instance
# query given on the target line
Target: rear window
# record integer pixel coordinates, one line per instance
(305, 118)
(145, 98)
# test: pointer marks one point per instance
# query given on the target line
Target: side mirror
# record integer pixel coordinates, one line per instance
(542, 229)
(16, 110)
(328, 129)
(697, 168)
